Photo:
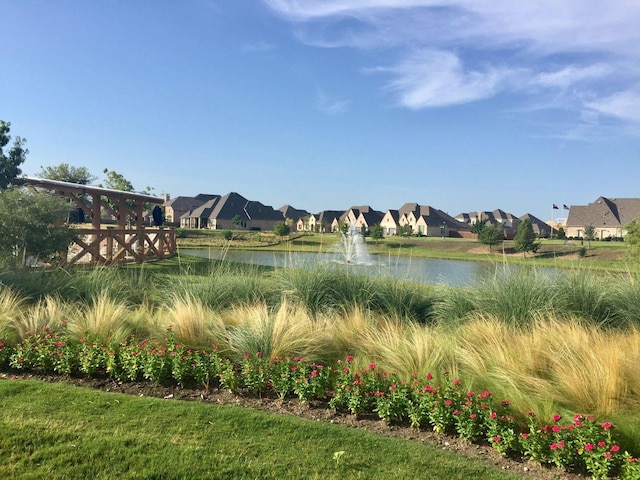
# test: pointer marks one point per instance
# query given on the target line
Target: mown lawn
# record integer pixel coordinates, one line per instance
(59, 431)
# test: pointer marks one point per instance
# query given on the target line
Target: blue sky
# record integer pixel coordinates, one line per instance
(462, 105)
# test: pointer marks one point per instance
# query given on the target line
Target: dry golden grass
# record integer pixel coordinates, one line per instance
(12, 309)
(193, 324)
(104, 318)
(49, 312)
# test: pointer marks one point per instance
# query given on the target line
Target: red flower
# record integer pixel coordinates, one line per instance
(615, 448)
(607, 425)
(372, 366)
(496, 439)
(589, 446)
(246, 355)
(350, 358)
(429, 376)
(557, 417)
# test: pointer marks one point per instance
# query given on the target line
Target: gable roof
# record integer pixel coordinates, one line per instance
(610, 212)
(293, 213)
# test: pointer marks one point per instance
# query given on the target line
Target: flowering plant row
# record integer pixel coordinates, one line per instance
(581, 444)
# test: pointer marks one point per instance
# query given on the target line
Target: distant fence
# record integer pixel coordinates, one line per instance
(106, 246)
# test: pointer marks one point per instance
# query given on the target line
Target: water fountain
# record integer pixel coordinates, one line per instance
(351, 249)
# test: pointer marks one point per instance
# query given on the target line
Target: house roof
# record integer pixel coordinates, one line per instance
(434, 216)
(604, 212)
(293, 213)
(183, 204)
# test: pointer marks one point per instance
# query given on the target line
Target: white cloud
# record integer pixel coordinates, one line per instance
(446, 52)
(331, 105)
(622, 105)
(436, 78)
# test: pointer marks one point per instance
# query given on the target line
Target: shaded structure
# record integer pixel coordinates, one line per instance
(118, 233)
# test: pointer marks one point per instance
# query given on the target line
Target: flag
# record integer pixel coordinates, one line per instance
(564, 206)
(555, 207)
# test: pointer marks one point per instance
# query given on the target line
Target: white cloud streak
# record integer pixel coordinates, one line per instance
(448, 52)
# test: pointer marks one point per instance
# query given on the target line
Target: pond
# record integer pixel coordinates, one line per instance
(456, 273)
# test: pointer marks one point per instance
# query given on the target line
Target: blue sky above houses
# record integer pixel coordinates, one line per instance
(462, 105)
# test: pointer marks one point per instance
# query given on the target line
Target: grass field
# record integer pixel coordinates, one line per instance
(59, 431)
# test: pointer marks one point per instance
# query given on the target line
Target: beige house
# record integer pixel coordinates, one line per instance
(608, 216)
(390, 222)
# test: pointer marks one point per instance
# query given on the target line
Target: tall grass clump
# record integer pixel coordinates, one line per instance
(48, 313)
(315, 290)
(286, 331)
(103, 318)
(404, 300)
(516, 298)
(589, 296)
(223, 287)
(194, 324)
(12, 308)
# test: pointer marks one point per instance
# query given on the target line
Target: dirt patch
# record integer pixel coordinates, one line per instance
(320, 411)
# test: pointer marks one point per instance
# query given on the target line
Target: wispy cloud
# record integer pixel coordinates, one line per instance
(447, 52)
(330, 105)
(258, 46)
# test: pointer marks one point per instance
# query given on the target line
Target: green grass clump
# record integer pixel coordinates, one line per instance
(57, 431)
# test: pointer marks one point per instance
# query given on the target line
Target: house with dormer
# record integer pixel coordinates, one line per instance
(607, 215)
(390, 222)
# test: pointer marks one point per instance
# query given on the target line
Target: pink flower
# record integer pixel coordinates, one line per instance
(349, 358)
(553, 446)
(448, 402)
(615, 448)
(470, 394)
(606, 425)
(602, 444)
(557, 417)
(372, 366)
(608, 455)
(524, 435)
(314, 373)
(259, 354)
(429, 376)
(556, 429)
(589, 446)
(493, 415)
(456, 381)
(246, 355)
(496, 439)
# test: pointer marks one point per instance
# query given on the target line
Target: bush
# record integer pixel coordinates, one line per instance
(582, 252)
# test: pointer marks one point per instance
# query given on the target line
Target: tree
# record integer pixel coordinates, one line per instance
(525, 239)
(377, 232)
(590, 233)
(490, 235)
(10, 163)
(561, 235)
(33, 224)
(227, 235)
(477, 227)
(405, 230)
(632, 238)
(281, 229)
(67, 173)
(116, 181)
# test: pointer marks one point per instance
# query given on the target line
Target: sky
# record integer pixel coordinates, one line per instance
(463, 105)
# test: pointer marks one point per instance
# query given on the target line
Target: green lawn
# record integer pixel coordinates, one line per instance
(59, 431)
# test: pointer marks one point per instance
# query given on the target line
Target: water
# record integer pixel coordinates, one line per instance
(423, 270)
(351, 249)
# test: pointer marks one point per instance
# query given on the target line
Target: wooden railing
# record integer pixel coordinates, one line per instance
(107, 246)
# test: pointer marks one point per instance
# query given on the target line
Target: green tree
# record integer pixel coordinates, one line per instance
(590, 233)
(491, 235)
(632, 238)
(67, 173)
(561, 235)
(377, 232)
(10, 163)
(405, 230)
(281, 229)
(525, 239)
(33, 224)
(227, 235)
(116, 181)
(477, 227)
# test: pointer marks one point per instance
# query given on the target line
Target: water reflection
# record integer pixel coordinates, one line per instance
(423, 270)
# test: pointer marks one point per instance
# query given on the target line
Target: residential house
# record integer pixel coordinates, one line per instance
(429, 221)
(540, 228)
(292, 216)
(368, 219)
(174, 208)
(608, 216)
(390, 222)
(233, 212)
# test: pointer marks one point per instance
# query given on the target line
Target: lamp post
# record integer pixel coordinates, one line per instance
(442, 229)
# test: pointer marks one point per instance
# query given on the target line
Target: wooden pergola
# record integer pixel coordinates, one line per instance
(117, 232)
